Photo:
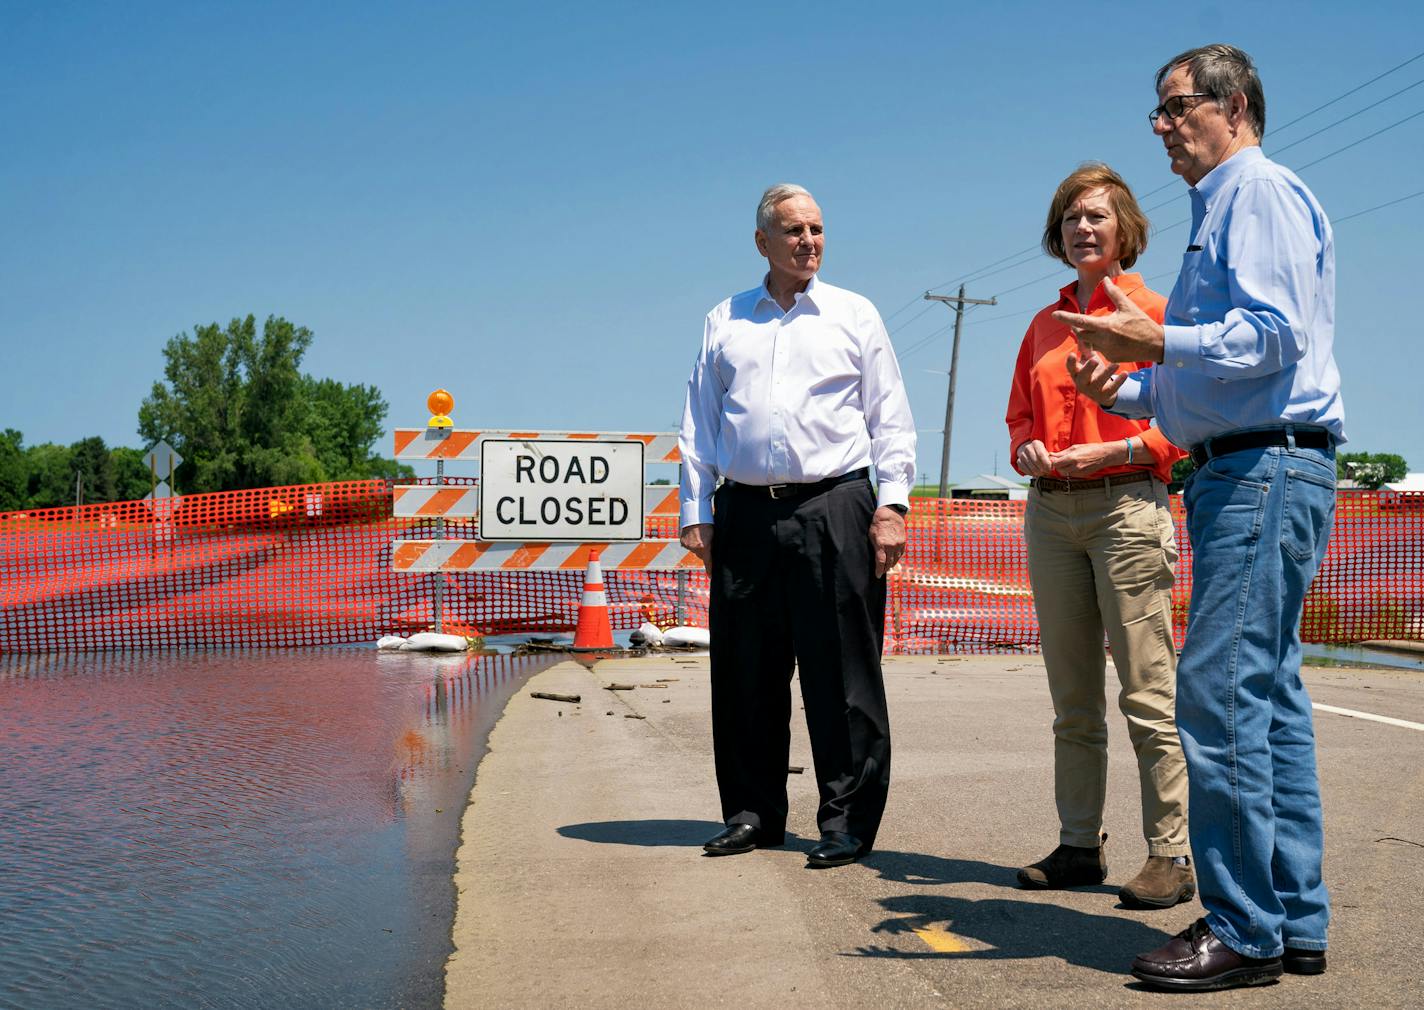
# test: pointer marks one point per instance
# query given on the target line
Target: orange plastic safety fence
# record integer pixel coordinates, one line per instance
(310, 565)
(963, 585)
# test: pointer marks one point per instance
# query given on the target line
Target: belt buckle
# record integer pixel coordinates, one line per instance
(779, 491)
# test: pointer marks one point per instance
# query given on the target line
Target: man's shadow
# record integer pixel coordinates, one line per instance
(672, 833)
(901, 867)
(1016, 930)
(1012, 929)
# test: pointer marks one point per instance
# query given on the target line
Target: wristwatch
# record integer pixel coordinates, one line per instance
(904, 510)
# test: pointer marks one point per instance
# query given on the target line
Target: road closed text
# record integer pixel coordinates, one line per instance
(561, 490)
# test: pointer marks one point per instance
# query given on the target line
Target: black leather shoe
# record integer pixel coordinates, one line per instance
(1299, 961)
(1195, 960)
(836, 848)
(738, 838)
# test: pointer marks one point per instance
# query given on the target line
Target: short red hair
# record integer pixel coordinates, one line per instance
(1131, 222)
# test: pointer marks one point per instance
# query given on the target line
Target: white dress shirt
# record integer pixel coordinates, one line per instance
(794, 397)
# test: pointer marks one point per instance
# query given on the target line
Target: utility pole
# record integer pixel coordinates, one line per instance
(958, 301)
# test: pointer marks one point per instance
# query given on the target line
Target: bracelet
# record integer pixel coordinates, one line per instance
(1128, 442)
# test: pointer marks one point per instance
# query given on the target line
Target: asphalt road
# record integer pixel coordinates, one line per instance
(581, 880)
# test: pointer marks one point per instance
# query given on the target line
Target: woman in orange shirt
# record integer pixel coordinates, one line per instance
(1101, 553)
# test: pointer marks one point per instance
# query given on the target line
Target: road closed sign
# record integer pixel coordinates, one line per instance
(561, 490)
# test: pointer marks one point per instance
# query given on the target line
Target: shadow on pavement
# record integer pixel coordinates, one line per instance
(920, 868)
(690, 834)
(1016, 930)
(650, 832)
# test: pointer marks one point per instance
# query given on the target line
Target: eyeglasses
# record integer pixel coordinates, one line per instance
(1175, 107)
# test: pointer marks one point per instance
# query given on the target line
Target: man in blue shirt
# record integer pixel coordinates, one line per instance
(1246, 377)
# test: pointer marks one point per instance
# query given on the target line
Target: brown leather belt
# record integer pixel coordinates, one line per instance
(1105, 484)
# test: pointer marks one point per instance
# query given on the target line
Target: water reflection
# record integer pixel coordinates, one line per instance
(236, 829)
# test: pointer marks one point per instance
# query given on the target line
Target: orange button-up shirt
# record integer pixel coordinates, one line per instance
(1044, 404)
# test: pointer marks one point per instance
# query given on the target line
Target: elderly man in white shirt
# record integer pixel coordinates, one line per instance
(795, 402)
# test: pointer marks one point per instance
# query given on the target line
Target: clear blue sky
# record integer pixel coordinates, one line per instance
(534, 205)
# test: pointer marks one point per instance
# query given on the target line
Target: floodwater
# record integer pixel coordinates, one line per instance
(1361, 655)
(245, 829)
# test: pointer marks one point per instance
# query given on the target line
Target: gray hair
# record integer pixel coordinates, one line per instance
(1220, 70)
(773, 196)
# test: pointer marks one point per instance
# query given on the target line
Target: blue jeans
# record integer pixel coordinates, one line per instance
(1258, 522)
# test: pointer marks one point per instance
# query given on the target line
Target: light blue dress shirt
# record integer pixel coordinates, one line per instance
(1250, 324)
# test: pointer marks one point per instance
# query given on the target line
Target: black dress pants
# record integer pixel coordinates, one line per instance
(793, 585)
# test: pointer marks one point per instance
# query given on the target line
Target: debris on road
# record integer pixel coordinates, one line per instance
(550, 696)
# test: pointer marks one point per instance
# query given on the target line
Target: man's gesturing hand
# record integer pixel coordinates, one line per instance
(1129, 334)
(698, 539)
(1095, 378)
(887, 537)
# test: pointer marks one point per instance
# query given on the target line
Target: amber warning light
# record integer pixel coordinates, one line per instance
(440, 403)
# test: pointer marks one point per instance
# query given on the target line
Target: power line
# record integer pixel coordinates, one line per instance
(1032, 257)
(1319, 108)
(913, 301)
(925, 342)
(929, 338)
(1036, 280)
(908, 322)
(1305, 115)
(1369, 136)
(1351, 116)
(971, 275)
(1024, 259)
(1382, 206)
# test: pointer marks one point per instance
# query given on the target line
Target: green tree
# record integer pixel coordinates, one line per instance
(14, 471)
(50, 479)
(1182, 469)
(238, 408)
(345, 421)
(1371, 470)
(198, 408)
(132, 480)
(90, 459)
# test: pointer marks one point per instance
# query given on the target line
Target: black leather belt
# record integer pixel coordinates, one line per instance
(1090, 483)
(1237, 441)
(783, 491)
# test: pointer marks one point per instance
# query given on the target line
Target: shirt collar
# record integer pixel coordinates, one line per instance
(809, 294)
(1222, 175)
(1127, 283)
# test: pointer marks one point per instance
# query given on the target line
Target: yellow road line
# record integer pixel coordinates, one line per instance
(942, 941)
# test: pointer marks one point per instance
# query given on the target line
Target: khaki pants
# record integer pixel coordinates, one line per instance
(1103, 561)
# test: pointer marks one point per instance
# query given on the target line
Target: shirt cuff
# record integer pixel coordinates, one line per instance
(1181, 347)
(1131, 400)
(695, 513)
(892, 494)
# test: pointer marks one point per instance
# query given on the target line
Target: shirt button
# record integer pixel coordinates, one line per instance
(1177, 363)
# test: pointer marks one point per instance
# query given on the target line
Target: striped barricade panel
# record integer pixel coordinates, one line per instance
(484, 555)
(421, 501)
(425, 500)
(462, 443)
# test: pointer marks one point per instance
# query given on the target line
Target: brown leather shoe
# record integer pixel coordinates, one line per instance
(1067, 866)
(1161, 883)
(1195, 960)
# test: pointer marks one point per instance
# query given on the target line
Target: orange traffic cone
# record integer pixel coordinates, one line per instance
(594, 630)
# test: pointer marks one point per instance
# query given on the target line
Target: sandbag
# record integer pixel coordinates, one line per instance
(429, 641)
(685, 635)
